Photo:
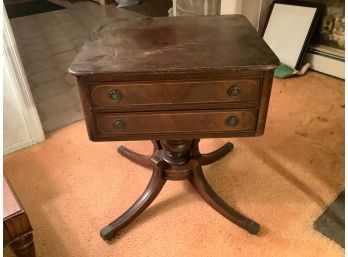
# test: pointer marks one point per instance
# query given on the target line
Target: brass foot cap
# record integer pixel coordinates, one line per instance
(252, 227)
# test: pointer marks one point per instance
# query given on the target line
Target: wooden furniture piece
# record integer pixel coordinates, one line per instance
(17, 229)
(175, 81)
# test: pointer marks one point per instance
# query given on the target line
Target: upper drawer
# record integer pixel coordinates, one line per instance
(175, 93)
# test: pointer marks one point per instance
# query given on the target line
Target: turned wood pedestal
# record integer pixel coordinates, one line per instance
(177, 160)
(175, 81)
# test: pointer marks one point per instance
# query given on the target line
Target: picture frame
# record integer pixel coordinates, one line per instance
(289, 27)
(326, 52)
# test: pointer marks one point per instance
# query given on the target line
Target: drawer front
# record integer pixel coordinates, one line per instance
(178, 93)
(197, 122)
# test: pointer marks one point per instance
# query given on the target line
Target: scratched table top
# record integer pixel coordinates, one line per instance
(167, 44)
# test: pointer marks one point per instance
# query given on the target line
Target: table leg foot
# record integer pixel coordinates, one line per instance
(24, 246)
(203, 188)
(152, 190)
(142, 160)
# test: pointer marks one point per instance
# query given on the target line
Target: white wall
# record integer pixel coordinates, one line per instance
(231, 7)
(254, 10)
(251, 9)
(22, 126)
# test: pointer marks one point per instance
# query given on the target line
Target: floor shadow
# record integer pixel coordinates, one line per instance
(152, 212)
(284, 172)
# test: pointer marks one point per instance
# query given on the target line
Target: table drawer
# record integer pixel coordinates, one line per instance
(175, 93)
(152, 123)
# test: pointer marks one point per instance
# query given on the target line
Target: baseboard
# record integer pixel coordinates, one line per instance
(17, 146)
(325, 65)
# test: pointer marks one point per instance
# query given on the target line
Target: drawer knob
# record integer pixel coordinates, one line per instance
(233, 91)
(232, 121)
(115, 95)
(119, 124)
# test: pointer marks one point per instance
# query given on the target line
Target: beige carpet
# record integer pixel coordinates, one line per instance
(72, 187)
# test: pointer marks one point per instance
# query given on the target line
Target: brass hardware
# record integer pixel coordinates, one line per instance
(234, 90)
(115, 95)
(119, 124)
(232, 121)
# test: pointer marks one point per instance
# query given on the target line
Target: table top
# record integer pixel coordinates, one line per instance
(173, 44)
(11, 204)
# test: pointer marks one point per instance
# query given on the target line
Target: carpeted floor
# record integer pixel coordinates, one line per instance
(71, 187)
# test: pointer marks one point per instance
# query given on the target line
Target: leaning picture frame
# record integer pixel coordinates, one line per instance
(289, 27)
(326, 52)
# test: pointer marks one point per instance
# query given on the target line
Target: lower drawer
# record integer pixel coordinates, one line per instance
(150, 124)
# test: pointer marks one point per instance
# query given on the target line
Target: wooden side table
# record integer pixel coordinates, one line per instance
(175, 81)
(17, 229)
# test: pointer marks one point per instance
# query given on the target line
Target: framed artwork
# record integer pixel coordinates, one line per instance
(289, 28)
(326, 51)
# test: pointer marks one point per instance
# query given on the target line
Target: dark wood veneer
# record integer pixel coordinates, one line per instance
(174, 81)
(194, 122)
(17, 231)
(146, 95)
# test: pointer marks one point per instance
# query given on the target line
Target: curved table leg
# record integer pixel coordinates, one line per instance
(217, 154)
(156, 145)
(152, 190)
(207, 193)
(205, 159)
(142, 160)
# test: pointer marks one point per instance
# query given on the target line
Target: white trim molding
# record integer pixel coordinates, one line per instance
(326, 65)
(18, 82)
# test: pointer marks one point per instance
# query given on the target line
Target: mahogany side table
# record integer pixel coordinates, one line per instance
(175, 81)
(17, 230)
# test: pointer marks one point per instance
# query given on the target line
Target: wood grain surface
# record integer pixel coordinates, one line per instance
(175, 93)
(169, 45)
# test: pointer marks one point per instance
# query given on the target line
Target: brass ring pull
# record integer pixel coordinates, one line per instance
(119, 124)
(232, 121)
(234, 90)
(115, 95)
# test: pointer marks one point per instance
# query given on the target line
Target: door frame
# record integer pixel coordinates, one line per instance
(13, 64)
